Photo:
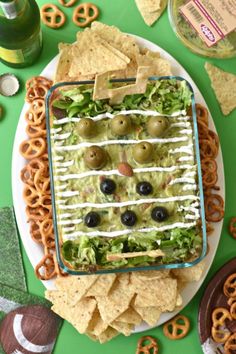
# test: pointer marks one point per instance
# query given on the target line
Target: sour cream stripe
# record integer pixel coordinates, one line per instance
(119, 142)
(125, 112)
(127, 203)
(70, 222)
(180, 225)
(116, 172)
(182, 180)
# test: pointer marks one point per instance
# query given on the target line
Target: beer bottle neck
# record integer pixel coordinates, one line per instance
(11, 8)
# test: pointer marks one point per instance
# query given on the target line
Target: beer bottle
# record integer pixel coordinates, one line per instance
(20, 33)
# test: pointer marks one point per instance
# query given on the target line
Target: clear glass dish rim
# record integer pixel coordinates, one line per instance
(188, 44)
(201, 194)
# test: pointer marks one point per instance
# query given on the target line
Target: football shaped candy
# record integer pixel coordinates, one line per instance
(29, 330)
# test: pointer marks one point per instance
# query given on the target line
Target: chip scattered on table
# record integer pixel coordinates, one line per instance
(151, 10)
(224, 86)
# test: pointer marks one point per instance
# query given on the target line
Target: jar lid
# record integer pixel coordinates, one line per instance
(9, 84)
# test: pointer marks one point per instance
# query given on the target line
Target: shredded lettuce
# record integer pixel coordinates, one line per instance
(165, 96)
(178, 245)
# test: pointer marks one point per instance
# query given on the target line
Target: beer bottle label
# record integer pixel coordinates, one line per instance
(20, 56)
(9, 9)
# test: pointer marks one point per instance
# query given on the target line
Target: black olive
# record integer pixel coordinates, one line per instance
(144, 188)
(159, 214)
(128, 218)
(92, 219)
(107, 186)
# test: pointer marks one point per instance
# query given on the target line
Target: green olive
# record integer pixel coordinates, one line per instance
(86, 127)
(121, 125)
(95, 157)
(142, 152)
(157, 125)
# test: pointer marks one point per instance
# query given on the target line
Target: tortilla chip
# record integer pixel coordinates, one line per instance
(224, 86)
(161, 293)
(151, 10)
(97, 326)
(150, 275)
(122, 327)
(75, 286)
(189, 274)
(116, 95)
(116, 302)
(130, 316)
(79, 314)
(150, 314)
(64, 62)
(158, 65)
(102, 285)
(121, 41)
(92, 55)
(107, 335)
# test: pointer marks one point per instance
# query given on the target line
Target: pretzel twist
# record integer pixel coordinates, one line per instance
(68, 3)
(175, 330)
(81, 14)
(32, 148)
(230, 286)
(53, 19)
(230, 345)
(151, 347)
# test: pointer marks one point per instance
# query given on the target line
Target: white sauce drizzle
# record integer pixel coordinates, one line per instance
(190, 174)
(186, 131)
(121, 142)
(58, 158)
(59, 143)
(59, 188)
(181, 124)
(127, 203)
(70, 222)
(62, 136)
(124, 112)
(67, 194)
(185, 158)
(61, 169)
(182, 180)
(116, 172)
(55, 130)
(64, 216)
(68, 229)
(64, 164)
(193, 187)
(180, 225)
(188, 149)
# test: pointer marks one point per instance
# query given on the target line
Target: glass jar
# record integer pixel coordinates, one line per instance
(225, 48)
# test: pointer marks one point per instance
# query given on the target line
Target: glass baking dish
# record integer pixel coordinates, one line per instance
(104, 220)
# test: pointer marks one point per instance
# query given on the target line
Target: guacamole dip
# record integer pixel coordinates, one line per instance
(125, 177)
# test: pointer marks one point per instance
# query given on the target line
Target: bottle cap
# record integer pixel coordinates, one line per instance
(9, 84)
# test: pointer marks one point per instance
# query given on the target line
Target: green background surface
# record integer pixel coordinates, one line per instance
(124, 14)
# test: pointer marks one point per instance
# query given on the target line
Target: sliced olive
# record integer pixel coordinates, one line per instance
(95, 157)
(159, 214)
(108, 186)
(86, 127)
(92, 219)
(142, 152)
(157, 125)
(121, 125)
(128, 218)
(144, 188)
